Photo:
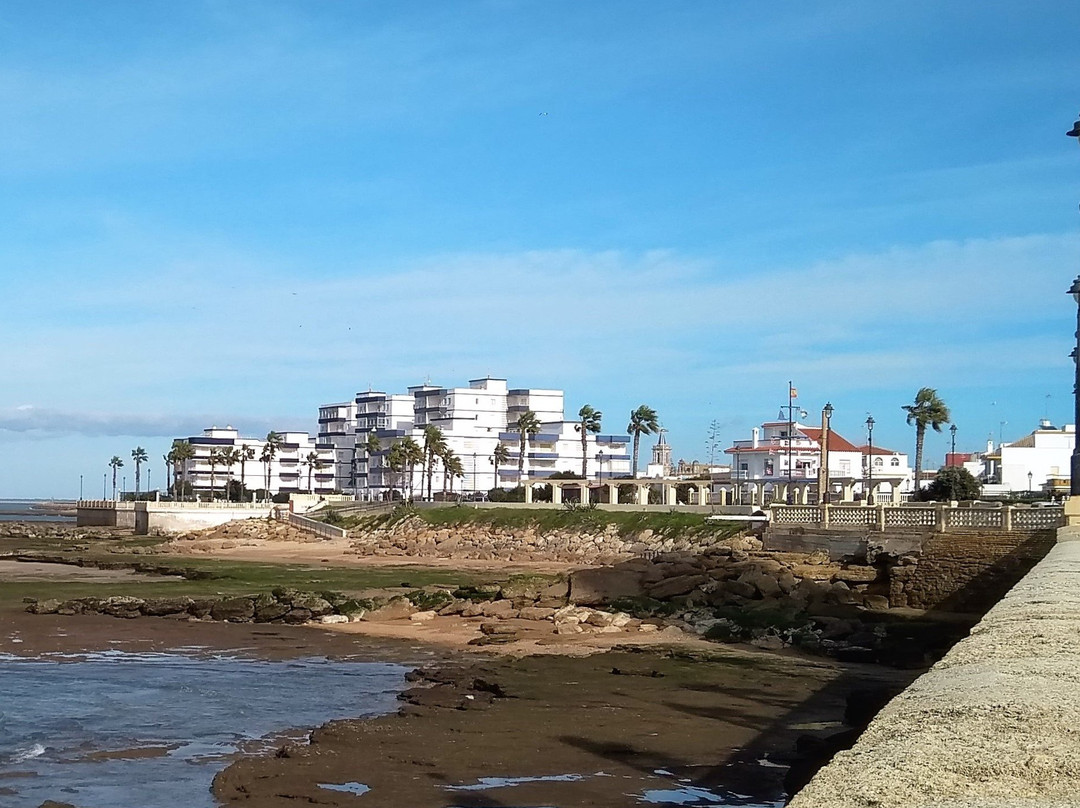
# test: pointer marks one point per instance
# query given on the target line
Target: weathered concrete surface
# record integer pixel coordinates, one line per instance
(996, 723)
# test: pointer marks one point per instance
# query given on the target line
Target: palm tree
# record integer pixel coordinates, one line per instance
(643, 421)
(313, 462)
(182, 452)
(115, 464)
(215, 458)
(527, 425)
(928, 410)
(270, 450)
(138, 454)
(434, 445)
(229, 458)
(170, 463)
(447, 458)
(246, 454)
(372, 445)
(500, 457)
(590, 422)
(396, 461)
(453, 468)
(413, 454)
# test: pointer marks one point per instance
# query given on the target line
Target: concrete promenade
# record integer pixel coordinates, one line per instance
(994, 724)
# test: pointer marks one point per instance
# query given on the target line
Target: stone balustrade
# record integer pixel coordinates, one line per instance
(937, 517)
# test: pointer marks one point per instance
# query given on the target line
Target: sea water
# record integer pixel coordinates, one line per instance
(71, 727)
(24, 510)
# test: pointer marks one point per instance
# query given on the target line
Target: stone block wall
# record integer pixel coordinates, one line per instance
(965, 572)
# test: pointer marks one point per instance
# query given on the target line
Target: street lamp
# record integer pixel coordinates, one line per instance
(1074, 480)
(952, 451)
(1074, 290)
(600, 465)
(870, 459)
(1029, 482)
(823, 472)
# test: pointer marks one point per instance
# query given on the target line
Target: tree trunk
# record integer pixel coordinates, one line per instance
(637, 437)
(584, 452)
(920, 433)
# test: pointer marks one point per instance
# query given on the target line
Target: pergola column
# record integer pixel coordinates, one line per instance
(671, 494)
(642, 494)
(613, 493)
(556, 493)
(528, 491)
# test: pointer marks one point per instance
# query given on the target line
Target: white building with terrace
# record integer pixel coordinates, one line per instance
(474, 421)
(300, 465)
(782, 462)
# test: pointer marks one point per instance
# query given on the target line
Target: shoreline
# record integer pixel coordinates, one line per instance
(705, 713)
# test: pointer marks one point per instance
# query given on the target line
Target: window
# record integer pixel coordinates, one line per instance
(895, 462)
(878, 462)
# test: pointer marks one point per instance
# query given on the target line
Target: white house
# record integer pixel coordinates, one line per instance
(299, 464)
(1034, 462)
(474, 420)
(776, 465)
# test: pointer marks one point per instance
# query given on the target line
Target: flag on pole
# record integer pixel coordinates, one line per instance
(792, 392)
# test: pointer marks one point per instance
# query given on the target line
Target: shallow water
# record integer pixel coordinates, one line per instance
(71, 726)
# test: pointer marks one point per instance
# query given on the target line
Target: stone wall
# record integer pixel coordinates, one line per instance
(965, 572)
(994, 723)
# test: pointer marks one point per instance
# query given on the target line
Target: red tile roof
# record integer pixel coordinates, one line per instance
(837, 442)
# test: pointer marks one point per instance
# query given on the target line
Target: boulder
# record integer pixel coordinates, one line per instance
(396, 608)
(233, 610)
(856, 575)
(604, 584)
(313, 603)
(498, 608)
(270, 612)
(679, 585)
(764, 583)
(536, 613)
(50, 606)
(122, 606)
(157, 607)
(876, 603)
(297, 616)
(739, 588)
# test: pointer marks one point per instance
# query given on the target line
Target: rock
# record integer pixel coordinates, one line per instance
(679, 585)
(498, 608)
(840, 594)
(497, 627)
(739, 588)
(200, 607)
(876, 603)
(422, 617)
(763, 583)
(770, 642)
(297, 616)
(157, 607)
(856, 575)
(600, 619)
(122, 606)
(50, 606)
(396, 608)
(454, 607)
(271, 611)
(536, 613)
(233, 610)
(313, 603)
(340, 618)
(603, 585)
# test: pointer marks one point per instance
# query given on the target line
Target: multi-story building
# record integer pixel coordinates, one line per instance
(782, 460)
(1038, 462)
(299, 464)
(473, 420)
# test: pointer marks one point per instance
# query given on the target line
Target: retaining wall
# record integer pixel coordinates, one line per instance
(995, 723)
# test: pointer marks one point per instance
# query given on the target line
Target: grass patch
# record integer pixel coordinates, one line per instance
(625, 523)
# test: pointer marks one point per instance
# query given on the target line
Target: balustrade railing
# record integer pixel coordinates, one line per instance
(939, 518)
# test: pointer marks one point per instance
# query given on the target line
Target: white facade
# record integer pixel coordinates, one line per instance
(1045, 455)
(773, 464)
(474, 420)
(293, 469)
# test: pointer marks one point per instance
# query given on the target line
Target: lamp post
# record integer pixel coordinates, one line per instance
(870, 459)
(952, 450)
(474, 472)
(600, 466)
(1074, 478)
(1074, 290)
(823, 472)
(1029, 482)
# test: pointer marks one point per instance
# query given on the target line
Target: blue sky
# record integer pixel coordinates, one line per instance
(233, 212)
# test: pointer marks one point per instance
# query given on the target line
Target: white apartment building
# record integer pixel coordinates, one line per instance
(474, 420)
(776, 465)
(300, 464)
